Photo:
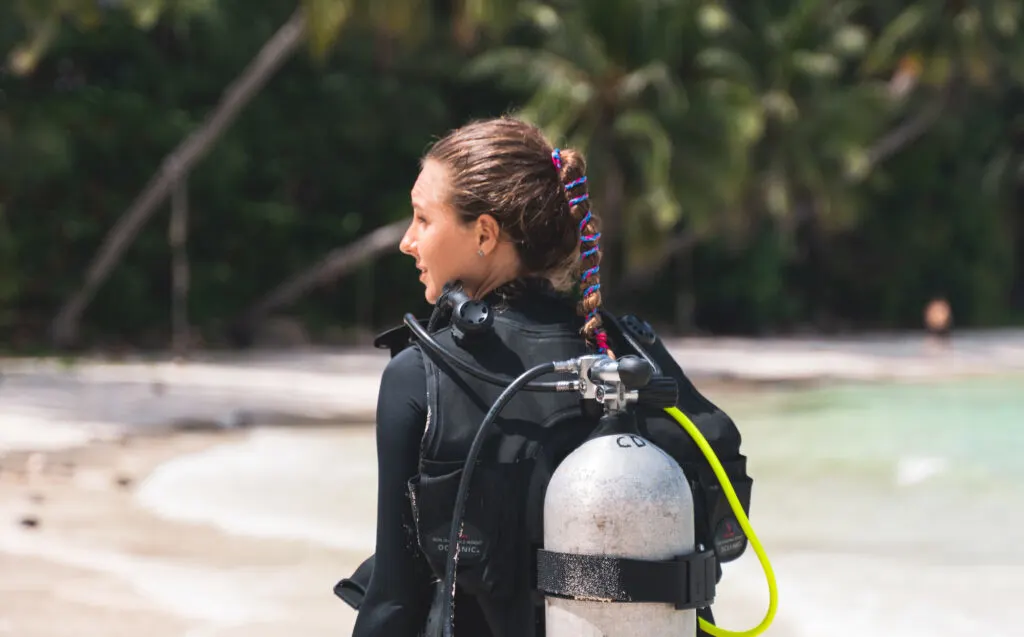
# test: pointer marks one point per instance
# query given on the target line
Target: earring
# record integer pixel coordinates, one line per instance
(480, 253)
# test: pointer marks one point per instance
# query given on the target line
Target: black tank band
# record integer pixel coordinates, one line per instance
(686, 582)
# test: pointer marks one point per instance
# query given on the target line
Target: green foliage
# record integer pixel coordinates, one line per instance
(600, 76)
(755, 126)
(42, 21)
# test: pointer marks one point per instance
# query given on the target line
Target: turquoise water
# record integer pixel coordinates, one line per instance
(886, 508)
(918, 466)
(974, 428)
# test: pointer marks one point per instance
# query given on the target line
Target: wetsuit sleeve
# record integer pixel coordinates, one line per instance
(398, 596)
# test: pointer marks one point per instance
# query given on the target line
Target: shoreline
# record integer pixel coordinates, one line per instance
(94, 398)
(94, 558)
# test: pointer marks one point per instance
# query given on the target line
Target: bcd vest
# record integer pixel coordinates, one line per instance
(503, 521)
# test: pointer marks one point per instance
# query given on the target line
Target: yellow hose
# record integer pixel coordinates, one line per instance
(741, 517)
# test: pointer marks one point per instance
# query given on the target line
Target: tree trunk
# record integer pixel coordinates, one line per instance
(275, 52)
(177, 235)
(898, 138)
(335, 264)
(909, 131)
(365, 298)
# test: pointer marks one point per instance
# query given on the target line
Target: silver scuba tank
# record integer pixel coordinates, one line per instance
(616, 496)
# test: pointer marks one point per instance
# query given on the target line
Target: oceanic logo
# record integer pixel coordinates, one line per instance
(729, 539)
(472, 543)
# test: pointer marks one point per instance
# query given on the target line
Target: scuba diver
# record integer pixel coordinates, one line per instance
(508, 250)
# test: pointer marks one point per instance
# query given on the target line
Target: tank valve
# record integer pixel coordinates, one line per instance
(616, 383)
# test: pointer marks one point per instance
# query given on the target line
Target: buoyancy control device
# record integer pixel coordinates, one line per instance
(620, 554)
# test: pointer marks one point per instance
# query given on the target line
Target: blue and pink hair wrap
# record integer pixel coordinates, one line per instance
(600, 337)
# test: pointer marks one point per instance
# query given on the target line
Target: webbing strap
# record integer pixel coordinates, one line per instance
(687, 581)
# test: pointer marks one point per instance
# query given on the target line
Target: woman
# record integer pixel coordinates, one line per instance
(500, 210)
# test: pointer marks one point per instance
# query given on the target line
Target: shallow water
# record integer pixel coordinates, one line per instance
(892, 508)
(314, 485)
(885, 508)
(926, 466)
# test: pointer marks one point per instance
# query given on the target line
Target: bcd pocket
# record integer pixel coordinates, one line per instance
(727, 538)
(490, 535)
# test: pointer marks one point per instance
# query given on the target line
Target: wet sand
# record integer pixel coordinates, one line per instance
(99, 564)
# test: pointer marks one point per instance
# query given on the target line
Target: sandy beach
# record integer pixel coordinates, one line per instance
(95, 562)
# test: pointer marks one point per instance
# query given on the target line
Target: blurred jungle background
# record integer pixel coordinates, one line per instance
(762, 167)
(200, 206)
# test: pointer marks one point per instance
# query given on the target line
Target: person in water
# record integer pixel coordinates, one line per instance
(500, 210)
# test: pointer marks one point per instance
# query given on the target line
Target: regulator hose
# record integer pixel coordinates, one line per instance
(741, 517)
(427, 340)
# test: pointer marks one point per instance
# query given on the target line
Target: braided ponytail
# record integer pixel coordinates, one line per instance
(571, 169)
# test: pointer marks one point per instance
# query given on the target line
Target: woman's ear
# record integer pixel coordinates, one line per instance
(488, 233)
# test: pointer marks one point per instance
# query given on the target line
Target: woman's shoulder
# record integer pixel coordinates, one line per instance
(406, 365)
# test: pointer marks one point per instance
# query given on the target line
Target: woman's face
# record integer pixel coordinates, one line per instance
(444, 247)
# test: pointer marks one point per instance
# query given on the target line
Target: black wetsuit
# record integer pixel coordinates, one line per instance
(398, 596)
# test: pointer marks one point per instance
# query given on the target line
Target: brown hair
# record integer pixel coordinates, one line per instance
(503, 167)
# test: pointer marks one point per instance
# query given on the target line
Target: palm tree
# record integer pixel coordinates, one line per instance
(796, 131)
(600, 80)
(935, 51)
(776, 134)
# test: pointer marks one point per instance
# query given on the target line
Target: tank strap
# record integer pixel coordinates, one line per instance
(687, 581)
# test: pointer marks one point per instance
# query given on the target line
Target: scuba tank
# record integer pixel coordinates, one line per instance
(619, 523)
(620, 497)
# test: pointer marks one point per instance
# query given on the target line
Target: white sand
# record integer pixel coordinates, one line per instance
(100, 563)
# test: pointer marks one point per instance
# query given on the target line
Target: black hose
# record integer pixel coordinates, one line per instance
(495, 379)
(435, 317)
(522, 381)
